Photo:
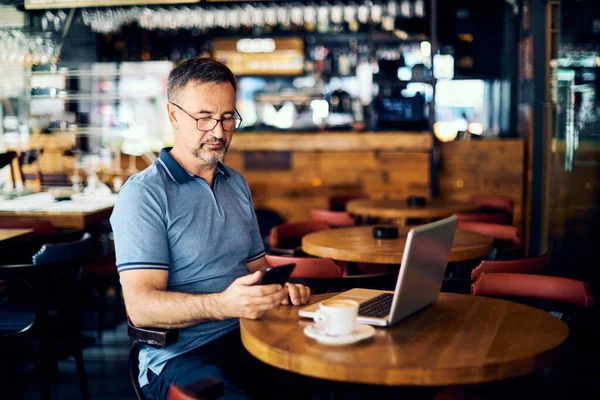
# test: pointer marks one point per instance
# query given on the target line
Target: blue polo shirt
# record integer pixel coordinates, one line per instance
(166, 218)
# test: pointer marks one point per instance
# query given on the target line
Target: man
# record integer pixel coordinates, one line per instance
(188, 244)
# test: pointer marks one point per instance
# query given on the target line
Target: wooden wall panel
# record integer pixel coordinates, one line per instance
(317, 175)
(483, 167)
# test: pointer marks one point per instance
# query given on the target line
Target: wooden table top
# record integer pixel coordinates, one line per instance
(76, 214)
(357, 244)
(11, 235)
(399, 209)
(459, 339)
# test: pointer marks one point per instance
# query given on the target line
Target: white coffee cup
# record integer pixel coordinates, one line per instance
(337, 317)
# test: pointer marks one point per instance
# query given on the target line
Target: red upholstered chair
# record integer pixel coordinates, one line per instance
(507, 238)
(286, 239)
(495, 209)
(338, 203)
(535, 265)
(553, 292)
(525, 286)
(324, 275)
(204, 389)
(494, 202)
(308, 267)
(332, 218)
(504, 258)
(490, 218)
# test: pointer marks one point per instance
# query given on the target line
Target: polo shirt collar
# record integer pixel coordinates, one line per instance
(177, 173)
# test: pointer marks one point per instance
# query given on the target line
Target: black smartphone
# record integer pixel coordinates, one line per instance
(277, 275)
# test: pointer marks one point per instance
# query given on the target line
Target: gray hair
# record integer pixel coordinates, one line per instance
(200, 70)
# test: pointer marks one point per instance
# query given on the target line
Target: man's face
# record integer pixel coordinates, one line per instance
(206, 100)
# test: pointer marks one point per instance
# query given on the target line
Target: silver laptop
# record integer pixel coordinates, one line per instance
(419, 282)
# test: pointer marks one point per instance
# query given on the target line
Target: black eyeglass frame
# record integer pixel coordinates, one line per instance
(239, 117)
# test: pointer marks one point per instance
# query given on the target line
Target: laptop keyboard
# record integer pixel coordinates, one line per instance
(377, 307)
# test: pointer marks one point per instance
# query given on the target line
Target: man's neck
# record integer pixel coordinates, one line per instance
(194, 165)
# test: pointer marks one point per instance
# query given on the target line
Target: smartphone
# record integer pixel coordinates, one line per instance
(277, 275)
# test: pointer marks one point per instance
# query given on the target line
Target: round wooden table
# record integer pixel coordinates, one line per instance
(357, 244)
(399, 210)
(459, 339)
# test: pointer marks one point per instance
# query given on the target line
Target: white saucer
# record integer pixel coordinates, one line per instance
(361, 332)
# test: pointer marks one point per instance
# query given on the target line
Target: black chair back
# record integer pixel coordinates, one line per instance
(6, 159)
(155, 337)
(41, 302)
(71, 253)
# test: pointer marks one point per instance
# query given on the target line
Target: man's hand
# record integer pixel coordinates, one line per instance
(243, 300)
(299, 294)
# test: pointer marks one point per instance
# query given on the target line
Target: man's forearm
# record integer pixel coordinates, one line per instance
(170, 310)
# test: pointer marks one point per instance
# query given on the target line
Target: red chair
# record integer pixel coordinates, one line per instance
(534, 286)
(338, 203)
(490, 218)
(494, 202)
(556, 292)
(495, 209)
(332, 218)
(204, 389)
(323, 275)
(308, 267)
(506, 246)
(507, 238)
(286, 239)
(536, 265)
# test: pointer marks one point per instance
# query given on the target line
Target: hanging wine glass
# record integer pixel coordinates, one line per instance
(350, 17)
(323, 19)
(258, 16)
(419, 8)
(406, 9)
(283, 17)
(376, 13)
(271, 16)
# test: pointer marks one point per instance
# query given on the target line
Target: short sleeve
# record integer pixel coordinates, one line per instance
(139, 229)
(257, 247)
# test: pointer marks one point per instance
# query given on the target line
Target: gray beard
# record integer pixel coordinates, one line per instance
(211, 156)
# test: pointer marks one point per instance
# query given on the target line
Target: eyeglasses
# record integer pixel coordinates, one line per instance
(206, 124)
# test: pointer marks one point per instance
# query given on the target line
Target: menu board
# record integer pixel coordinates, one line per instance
(43, 4)
(261, 56)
